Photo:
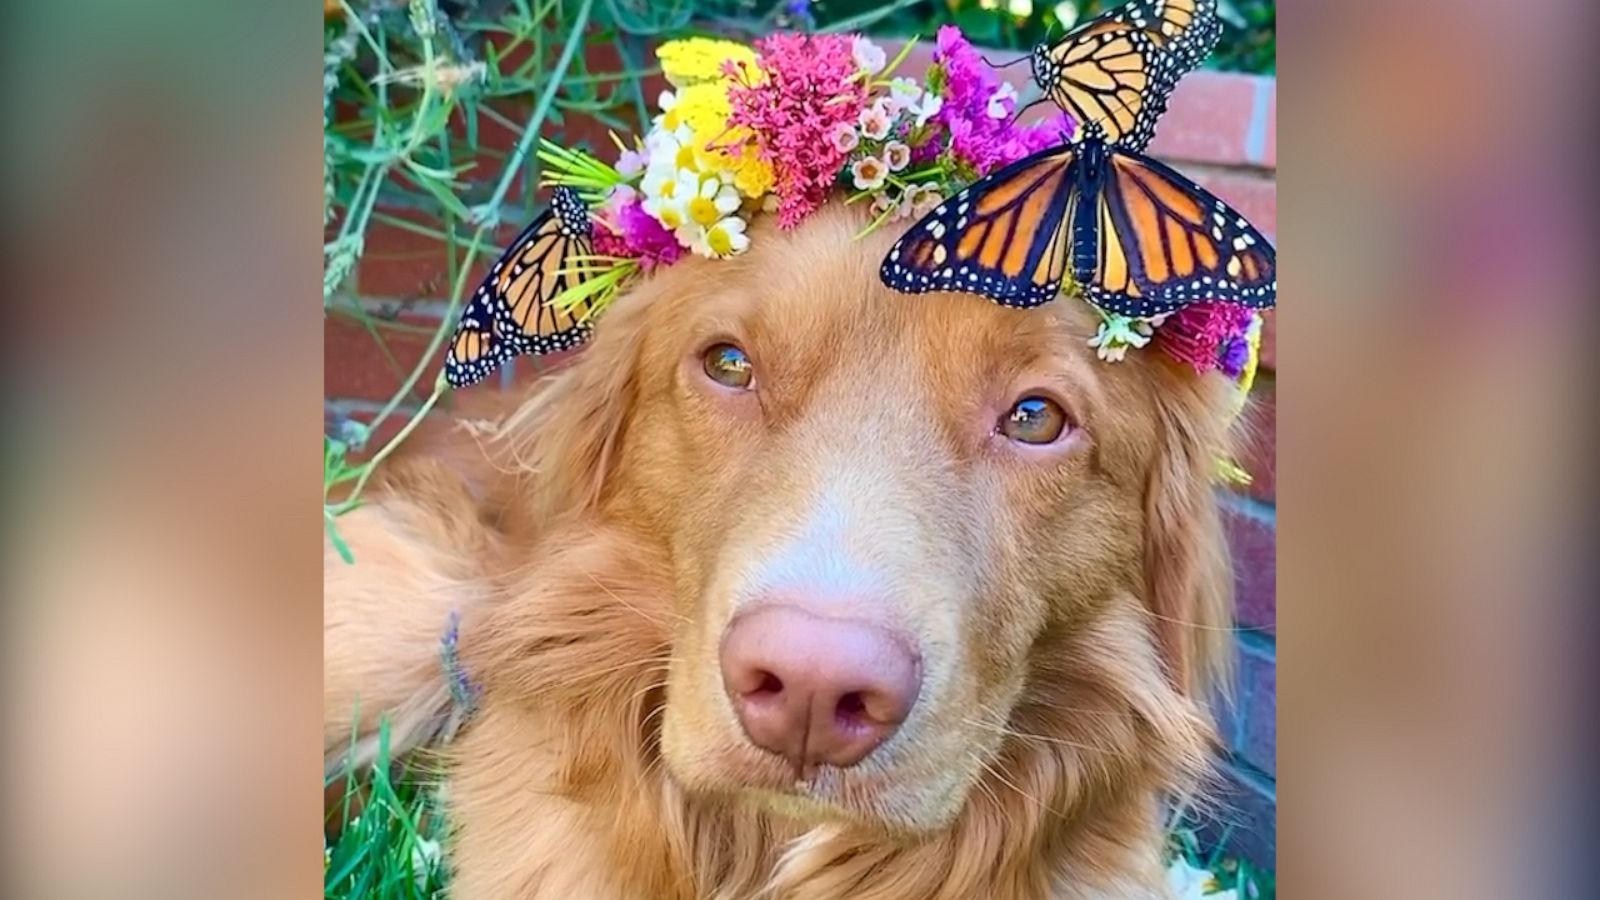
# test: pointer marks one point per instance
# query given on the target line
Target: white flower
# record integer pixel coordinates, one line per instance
(665, 102)
(670, 148)
(1190, 883)
(1020, 8)
(714, 198)
(922, 200)
(868, 56)
(926, 107)
(844, 137)
(725, 238)
(1117, 333)
(902, 93)
(869, 173)
(667, 198)
(997, 102)
(883, 201)
(896, 155)
(875, 121)
(425, 855)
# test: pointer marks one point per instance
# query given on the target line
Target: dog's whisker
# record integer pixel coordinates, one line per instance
(644, 665)
(1045, 739)
(629, 606)
(995, 773)
(1198, 626)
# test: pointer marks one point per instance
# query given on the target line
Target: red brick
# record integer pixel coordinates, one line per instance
(354, 367)
(1208, 119)
(1269, 157)
(1258, 453)
(1255, 197)
(1252, 541)
(402, 264)
(1255, 739)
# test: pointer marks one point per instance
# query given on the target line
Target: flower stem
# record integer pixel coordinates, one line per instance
(488, 212)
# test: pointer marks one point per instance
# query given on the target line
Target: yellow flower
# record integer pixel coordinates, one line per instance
(697, 60)
(704, 109)
(1248, 376)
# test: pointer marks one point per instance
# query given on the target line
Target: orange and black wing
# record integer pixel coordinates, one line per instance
(513, 312)
(1005, 237)
(1161, 242)
(476, 349)
(1118, 69)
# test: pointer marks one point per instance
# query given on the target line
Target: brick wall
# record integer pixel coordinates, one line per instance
(1220, 129)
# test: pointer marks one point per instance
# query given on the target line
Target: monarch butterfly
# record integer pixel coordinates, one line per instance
(1119, 68)
(512, 312)
(1141, 239)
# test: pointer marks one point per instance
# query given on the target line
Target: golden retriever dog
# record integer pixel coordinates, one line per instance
(794, 587)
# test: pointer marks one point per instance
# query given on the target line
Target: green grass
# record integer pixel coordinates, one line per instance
(392, 837)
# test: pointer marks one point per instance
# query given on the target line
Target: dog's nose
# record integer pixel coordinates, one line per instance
(817, 690)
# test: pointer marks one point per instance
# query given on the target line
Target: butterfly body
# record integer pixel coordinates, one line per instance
(513, 312)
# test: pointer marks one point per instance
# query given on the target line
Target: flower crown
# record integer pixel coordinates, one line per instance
(776, 127)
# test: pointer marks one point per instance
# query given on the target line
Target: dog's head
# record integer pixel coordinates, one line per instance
(922, 549)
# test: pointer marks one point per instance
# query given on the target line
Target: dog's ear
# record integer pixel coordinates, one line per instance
(1189, 578)
(563, 441)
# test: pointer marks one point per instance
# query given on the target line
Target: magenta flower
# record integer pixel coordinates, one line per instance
(1208, 336)
(635, 234)
(807, 93)
(972, 92)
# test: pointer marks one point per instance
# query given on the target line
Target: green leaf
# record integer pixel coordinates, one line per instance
(335, 538)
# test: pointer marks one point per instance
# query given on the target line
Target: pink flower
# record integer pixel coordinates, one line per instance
(630, 163)
(882, 202)
(869, 173)
(808, 91)
(634, 233)
(844, 137)
(876, 121)
(1206, 336)
(896, 155)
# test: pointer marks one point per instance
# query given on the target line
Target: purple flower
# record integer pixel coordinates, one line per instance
(1235, 353)
(1208, 335)
(634, 233)
(971, 91)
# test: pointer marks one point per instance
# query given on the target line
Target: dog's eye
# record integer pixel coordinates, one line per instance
(728, 365)
(1034, 420)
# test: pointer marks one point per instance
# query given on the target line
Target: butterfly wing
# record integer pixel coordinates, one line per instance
(1118, 69)
(1164, 242)
(476, 348)
(1005, 236)
(535, 270)
(513, 311)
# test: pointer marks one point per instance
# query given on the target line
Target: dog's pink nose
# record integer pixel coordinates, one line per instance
(817, 690)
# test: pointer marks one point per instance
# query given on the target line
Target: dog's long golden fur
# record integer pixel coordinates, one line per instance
(597, 534)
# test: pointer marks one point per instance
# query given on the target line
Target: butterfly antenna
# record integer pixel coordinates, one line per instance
(1030, 105)
(995, 65)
